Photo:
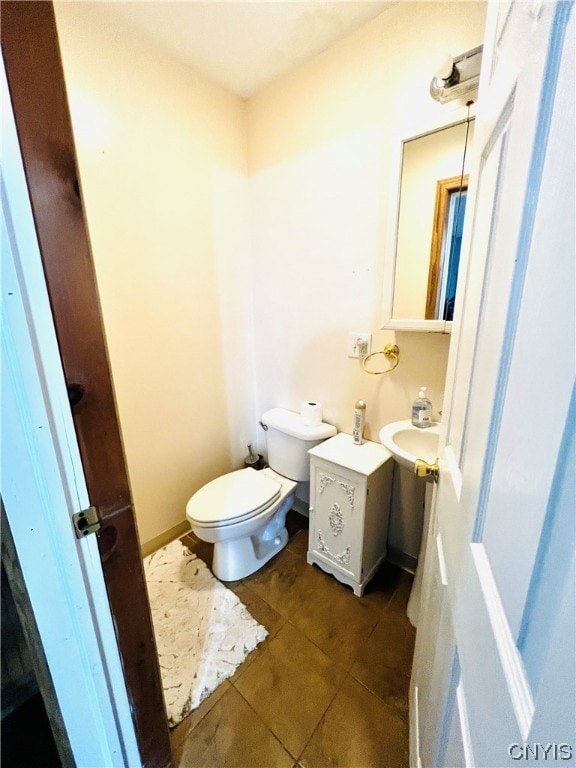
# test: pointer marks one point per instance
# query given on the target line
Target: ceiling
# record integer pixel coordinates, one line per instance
(243, 46)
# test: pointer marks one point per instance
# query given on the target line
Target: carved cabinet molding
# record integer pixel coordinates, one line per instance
(350, 491)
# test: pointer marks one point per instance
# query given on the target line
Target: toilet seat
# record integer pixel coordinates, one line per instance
(232, 498)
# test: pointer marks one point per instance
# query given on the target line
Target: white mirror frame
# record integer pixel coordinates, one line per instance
(406, 324)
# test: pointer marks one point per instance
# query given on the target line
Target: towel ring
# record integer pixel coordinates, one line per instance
(390, 351)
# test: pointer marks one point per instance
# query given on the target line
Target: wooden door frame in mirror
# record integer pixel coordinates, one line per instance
(445, 119)
(37, 89)
(444, 189)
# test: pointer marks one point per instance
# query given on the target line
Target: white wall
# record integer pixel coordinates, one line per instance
(162, 158)
(224, 293)
(321, 142)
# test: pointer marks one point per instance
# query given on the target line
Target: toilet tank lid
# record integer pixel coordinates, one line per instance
(291, 423)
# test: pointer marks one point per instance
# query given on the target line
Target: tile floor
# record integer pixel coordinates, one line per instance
(329, 685)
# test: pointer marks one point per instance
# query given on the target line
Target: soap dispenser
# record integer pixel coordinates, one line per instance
(422, 410)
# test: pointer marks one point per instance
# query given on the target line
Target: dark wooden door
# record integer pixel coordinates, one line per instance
(37, 89)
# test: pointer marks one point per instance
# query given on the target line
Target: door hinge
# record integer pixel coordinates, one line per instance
(86, 521)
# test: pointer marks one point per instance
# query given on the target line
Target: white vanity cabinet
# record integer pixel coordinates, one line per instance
(350, 491)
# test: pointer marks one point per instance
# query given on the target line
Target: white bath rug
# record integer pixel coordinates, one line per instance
(203, 632)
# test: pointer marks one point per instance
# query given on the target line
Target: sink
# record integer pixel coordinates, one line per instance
(408, 443)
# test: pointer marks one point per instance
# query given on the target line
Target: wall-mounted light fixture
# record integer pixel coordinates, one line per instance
(457, 78)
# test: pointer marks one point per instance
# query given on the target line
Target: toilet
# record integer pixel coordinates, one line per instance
(243, 513)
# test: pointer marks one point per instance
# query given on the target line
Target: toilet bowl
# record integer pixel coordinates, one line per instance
(243, 513)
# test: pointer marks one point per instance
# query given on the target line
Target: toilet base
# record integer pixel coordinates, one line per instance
(235, 559)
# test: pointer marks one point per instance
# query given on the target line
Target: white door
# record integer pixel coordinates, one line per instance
(494, 669)
(42, 485)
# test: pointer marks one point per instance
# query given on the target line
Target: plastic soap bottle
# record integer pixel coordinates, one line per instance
(422, 410)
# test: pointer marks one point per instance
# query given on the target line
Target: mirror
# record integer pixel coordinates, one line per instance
(426, 225)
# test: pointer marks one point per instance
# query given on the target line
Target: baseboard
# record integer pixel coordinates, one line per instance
(301, 506)
(402, 560)
(165, 538)
(414, 737)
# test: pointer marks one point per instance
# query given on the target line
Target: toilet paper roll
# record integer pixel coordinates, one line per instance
(311, 413)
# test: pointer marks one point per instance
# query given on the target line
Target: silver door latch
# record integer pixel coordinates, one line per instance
(86, 521)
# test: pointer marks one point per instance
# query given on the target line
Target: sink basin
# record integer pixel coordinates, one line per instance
(408, 443)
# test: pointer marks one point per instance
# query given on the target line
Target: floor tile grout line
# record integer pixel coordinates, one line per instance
(289, 619)
(380, 612)
(337, 690)
(322, 718)
(386, 703)
(193, 728)
(284, 747)
(328, 656)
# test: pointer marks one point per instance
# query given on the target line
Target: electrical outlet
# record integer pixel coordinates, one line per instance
(359, 344)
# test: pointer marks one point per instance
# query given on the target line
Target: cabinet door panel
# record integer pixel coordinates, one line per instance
(337, 518)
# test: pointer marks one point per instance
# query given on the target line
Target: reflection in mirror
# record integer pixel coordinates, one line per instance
(449, 213)
(430, 220)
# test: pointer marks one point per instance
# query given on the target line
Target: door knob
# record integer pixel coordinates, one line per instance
(423, 469)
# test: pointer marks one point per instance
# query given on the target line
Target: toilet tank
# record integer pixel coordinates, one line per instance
(289, 440)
